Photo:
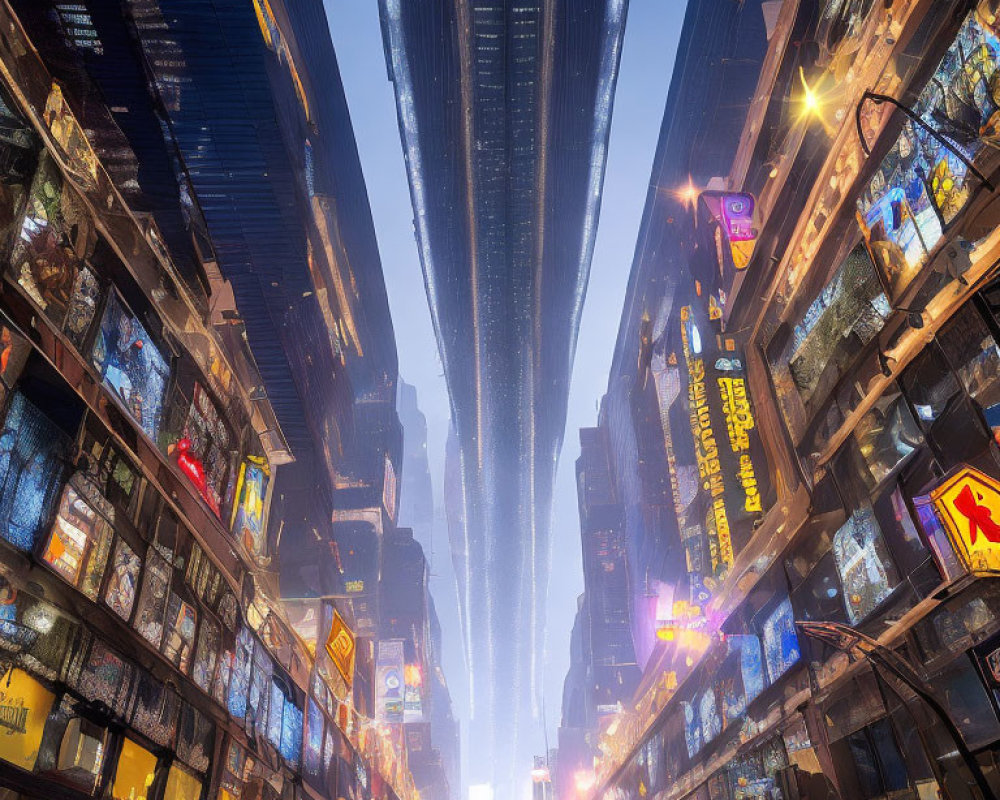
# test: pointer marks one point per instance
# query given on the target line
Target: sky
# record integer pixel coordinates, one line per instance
(648, 53)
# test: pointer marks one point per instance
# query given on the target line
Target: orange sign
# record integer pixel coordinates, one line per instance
(340, 648)
(968, 505)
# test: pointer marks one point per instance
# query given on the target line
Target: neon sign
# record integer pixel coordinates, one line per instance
(706, 447)
(739, 423)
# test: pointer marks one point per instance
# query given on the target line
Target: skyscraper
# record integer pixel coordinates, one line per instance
(504, 112)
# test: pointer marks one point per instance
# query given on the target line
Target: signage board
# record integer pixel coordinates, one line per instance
(341, 648)
(968, 506)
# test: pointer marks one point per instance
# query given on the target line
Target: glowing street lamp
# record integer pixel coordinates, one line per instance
(688, 194)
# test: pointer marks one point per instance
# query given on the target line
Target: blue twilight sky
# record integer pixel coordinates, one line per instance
(647, 61)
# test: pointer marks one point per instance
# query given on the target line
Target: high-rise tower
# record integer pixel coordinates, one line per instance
(504, 111)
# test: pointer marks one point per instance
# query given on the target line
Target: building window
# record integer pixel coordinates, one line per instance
(886, 435)
(866, 570)
(26, 706)
(80, 540)
(81, 753)
(711, 723)
(921, 186)
(972, 351)
(842, 319)
(82, 308)
(203, 450)
(181, 785)
(206, 653)
(156, 708)
(195, 739)
(44, 261)
(135, 772)
(178, 639)
(260, 692)
(277, 704)
(291, 734)
(313, 752)
(153, 598)
(105, 677)
(239, 680)
(781, 643)
(692, 729)
(32, 451)
(120, 592)
(131, 365)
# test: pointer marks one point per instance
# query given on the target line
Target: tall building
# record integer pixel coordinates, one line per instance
(416, 491)
(180, 394)
(613, 670)
(823, 337)
(720, 53)
(505, 130)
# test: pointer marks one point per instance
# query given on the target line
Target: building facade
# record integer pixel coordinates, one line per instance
(197, 360)
(825, 376)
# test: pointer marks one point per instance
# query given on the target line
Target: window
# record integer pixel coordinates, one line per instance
(819, 596)
(291, 735)
(965, 697)
(886, 435)
(131, 365)
(313, 753)
(105, 677)
(134, 776)
(223, 674)
(260, 692)
(207, 653)
(972, 351)
(781, 644)
(692, 729)
(120, 592)
(277, 708)
(181, 785)
(203, 450)
(921, 186)
(930, 384)
(866, 570)
(44, 261)
(195, 739)
(32, 453)
(844, 317)
(80, 540)
(227, 609)
(156, 708)
(153, 599)
(708, 710)
(900, 531)
(82, 748)
(239, 680)
(865, 766)
(178, 640)
(82, 308)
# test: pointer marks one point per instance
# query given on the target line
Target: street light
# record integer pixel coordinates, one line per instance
(856, 645)
(688, 194)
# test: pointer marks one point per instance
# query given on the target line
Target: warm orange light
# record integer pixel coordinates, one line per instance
(688, 194)
(810, 100)
(584, 780)
(667, 633)
(539, 775)
(412, 676)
